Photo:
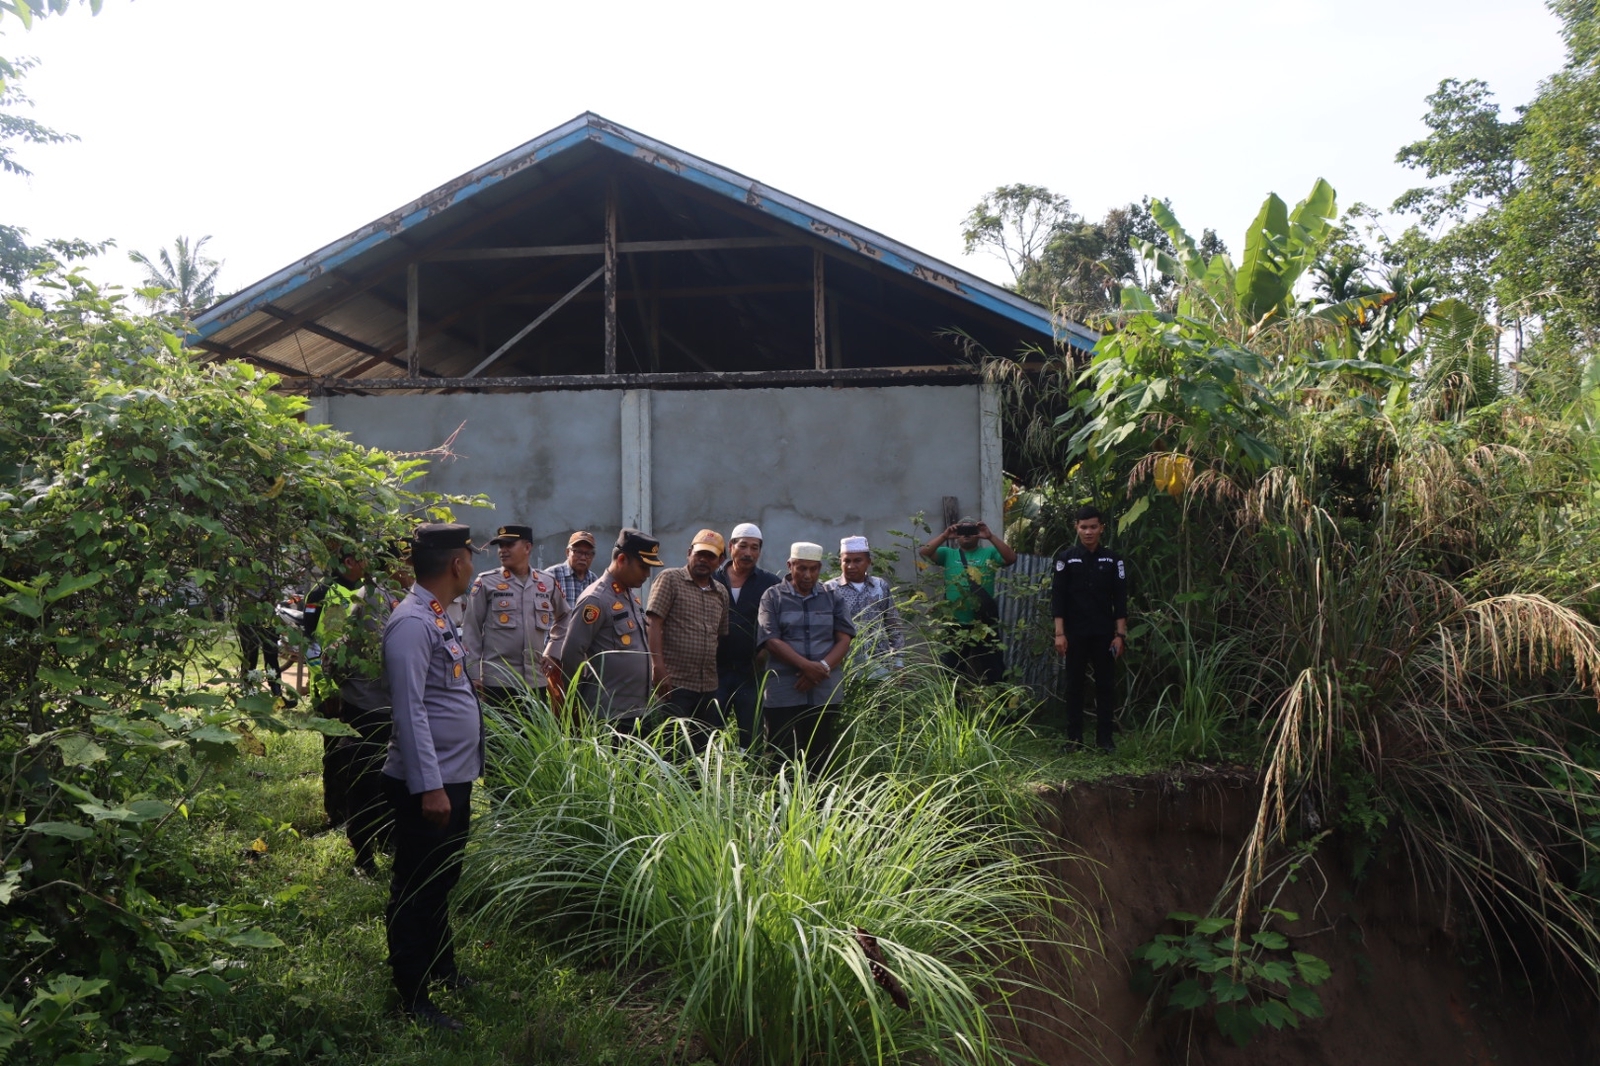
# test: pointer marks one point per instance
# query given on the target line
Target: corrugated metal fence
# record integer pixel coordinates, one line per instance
(1023, 591)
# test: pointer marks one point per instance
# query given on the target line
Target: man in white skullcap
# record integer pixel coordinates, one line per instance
(806, 633)
(868, 600)
(738, 679)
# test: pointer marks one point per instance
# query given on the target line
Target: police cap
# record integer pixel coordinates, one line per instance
(441, 536)
(511, 534)
(640, 545)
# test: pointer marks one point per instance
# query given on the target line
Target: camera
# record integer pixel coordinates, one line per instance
(966, 529)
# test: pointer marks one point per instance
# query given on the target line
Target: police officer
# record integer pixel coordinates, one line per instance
(509, 616)
(435, 754)
(1089, 599)
(602, 642)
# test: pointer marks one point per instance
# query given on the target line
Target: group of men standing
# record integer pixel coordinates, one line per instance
(720, 636)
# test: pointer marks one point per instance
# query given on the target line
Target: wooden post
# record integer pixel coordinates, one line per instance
(951, 508)
(413, 323)
(819, 311)
(611, 276)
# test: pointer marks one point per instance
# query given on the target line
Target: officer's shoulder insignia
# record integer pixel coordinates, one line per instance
(439, 622)
(590, 613)
(435, 607)
(1061, 564)
(616, 586)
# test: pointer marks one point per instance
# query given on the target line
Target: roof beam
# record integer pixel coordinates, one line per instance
(536, 323)
(729, 378)
(551, 251)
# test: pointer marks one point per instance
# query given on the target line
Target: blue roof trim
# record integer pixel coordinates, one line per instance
(727, 183)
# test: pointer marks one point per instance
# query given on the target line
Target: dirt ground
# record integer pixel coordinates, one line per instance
(1401, 991)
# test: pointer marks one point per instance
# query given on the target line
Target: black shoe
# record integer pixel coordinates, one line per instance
(458, 982)
(423, 1012)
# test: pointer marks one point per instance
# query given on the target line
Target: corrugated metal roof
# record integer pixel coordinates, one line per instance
(303, 281)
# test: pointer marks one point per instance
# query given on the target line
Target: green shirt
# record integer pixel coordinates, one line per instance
(982, 564)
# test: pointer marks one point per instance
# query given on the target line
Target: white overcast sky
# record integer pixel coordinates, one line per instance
(277, 127)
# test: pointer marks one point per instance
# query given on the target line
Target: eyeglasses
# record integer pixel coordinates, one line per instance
(581, 551)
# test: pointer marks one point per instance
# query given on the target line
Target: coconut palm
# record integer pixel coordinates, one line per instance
(188, 278)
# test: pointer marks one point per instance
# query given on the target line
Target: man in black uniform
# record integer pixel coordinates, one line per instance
(1089, 598)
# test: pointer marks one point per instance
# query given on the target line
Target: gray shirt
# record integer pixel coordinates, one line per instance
(438, 728)
(604, 635)
(807, 624)
(508, 623)
(880, 635)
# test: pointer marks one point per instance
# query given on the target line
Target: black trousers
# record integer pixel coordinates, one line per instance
(1090, 652)
(427, 865)
(792, 730)
(258, 642)
(352, 776)
(982, 661)
(701, 710)
(736, 692)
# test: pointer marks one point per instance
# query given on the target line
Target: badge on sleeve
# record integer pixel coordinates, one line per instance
(591, 614)
(1061, 564)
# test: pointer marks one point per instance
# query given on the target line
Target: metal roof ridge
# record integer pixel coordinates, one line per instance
(595, 128)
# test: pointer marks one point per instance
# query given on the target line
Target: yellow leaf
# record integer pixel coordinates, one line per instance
(258, 846)
(277, 487)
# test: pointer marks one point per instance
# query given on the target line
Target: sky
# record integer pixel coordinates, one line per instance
(278, 127)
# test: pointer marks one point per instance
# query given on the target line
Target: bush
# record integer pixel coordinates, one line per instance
(883, 912)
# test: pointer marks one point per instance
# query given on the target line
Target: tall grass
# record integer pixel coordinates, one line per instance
(1457, 710)
(757, 894)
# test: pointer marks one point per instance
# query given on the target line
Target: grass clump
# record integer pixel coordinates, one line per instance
(759, 896)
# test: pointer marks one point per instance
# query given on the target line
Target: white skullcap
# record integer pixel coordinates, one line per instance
(853, 544)
(805, 551)
(745, 529)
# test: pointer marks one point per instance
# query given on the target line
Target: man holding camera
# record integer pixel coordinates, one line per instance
(970, 566)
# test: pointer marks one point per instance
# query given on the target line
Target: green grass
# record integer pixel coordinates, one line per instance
(325, 996)
(745, 886)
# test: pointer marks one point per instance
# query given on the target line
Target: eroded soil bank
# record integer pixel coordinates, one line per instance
(1402, 990)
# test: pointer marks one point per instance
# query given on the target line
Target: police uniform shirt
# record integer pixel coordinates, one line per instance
(1089, 591)
(508, 623)
(438, 729)
(605, 634)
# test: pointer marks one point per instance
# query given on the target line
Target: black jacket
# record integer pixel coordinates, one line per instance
(1089, 591)
(737, 650)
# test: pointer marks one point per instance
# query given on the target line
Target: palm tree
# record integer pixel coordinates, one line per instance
(188, 278)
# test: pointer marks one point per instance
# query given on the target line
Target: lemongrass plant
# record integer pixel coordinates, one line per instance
(762, 896)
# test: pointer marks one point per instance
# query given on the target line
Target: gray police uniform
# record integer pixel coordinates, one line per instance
(508, 623)
(438, 728)
(605, 634)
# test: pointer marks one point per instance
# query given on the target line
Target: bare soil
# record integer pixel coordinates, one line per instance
(1403, 988)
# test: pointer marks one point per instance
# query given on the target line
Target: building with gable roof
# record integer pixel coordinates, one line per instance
(627, 334)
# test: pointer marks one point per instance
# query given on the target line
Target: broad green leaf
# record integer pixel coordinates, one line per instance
(69, 585)
(1187, 995)
(1270, 940)
(214, 734)
(328, 727)
(1136, 299)
(79, 750)
(1227, 990)
(253, 938)
(1208, 926)
(1304, 1001)
(64, 830)
(10, 882)
(1276, 1013)
(1312, 970)
(145, 1053)
(1261, 285)
(1133, 514)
